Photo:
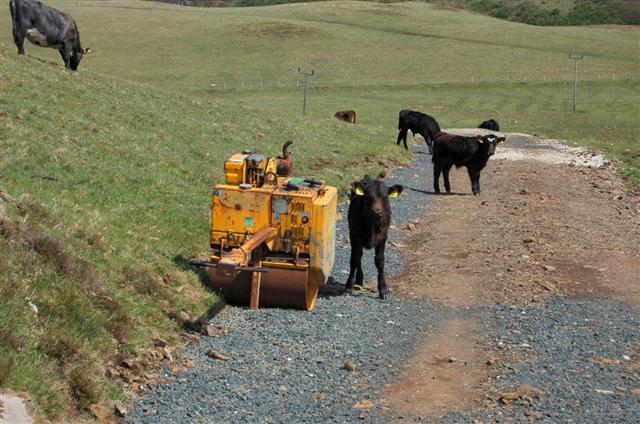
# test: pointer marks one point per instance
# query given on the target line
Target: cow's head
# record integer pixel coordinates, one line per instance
(491, 140)
(76, 57)
(375, 194)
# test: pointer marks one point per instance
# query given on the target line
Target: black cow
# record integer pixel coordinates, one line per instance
(471, 152)
(418, 123)
(369, 219)
(45, 26)
(491, 125)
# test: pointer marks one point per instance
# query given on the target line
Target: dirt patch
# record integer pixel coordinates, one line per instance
(536, 229)
(277, 29)
(447, 373)
(540, 228)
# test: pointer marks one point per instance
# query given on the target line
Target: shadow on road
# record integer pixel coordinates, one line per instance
(433, 193)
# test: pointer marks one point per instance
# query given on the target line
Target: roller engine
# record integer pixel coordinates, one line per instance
(272, 235)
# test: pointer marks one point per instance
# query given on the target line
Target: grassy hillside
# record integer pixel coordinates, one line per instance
(182, 47)
(532, 12)
(555, 12)
(105, 195)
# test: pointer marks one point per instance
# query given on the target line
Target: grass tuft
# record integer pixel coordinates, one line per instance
(84, 390)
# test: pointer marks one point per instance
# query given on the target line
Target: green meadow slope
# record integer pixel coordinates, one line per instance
(374, 43)
(105, 175)
(105, 196)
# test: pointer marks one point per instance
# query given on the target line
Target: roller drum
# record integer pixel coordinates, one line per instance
(279, 287)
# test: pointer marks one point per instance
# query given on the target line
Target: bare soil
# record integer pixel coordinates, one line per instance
(539, 229)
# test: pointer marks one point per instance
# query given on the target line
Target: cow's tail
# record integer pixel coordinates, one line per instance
(13, 9)
(285, 148)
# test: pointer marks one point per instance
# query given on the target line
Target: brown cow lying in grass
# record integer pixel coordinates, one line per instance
(471, 152)
(346, 116)
(369, 219)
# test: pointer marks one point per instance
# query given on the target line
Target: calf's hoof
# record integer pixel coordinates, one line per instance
(384, 295)
(347, 291)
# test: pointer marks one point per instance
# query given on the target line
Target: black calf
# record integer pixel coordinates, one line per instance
(471, 152)
(369, 219)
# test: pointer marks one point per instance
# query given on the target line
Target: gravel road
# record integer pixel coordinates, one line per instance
(581, 355)
(566, 359)
(287, 365)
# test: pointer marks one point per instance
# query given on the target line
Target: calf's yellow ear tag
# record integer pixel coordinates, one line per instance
(359, 191)
(481, 140)
(394, 194)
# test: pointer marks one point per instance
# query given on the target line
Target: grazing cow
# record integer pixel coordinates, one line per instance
(369, 218)
(491, 125)
(45, 26)
(418, 123)
(471, 152)
(346, 116)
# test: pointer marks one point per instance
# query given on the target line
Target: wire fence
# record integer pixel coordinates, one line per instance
(320, 83)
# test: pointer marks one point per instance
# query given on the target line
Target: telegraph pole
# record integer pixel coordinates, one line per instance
(576, 57)
(306, 74)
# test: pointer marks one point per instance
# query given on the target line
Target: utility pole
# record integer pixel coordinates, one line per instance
(306, 74)
(575, 57)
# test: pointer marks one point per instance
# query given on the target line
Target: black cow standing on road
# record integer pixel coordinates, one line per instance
(369, 218)
(418, 123)
(491, 125)
(471, 152)
(45, 26)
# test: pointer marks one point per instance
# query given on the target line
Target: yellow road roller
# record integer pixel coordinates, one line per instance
(272, 235)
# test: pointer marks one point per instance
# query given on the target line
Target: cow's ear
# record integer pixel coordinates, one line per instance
(87, 51)
(358, 188)
(480, 140)
(395, 190)
(501, 140)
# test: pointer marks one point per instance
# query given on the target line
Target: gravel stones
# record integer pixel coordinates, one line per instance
(302, 351)
(565, 363)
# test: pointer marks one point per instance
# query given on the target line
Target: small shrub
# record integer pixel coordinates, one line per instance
(61, 347)
(142, 283)
(84, 390)
(5, 370)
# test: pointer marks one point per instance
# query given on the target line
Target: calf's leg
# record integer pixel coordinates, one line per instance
(437, 169)
(359, 274)
(445, 174)
(355, 266)
(383, 290)
(474, 175)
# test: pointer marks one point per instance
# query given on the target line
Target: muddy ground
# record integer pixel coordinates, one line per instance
(546, 228)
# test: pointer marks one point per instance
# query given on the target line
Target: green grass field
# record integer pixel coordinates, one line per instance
(107, 173)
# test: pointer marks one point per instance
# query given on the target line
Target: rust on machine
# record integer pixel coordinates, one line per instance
(272, 235)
